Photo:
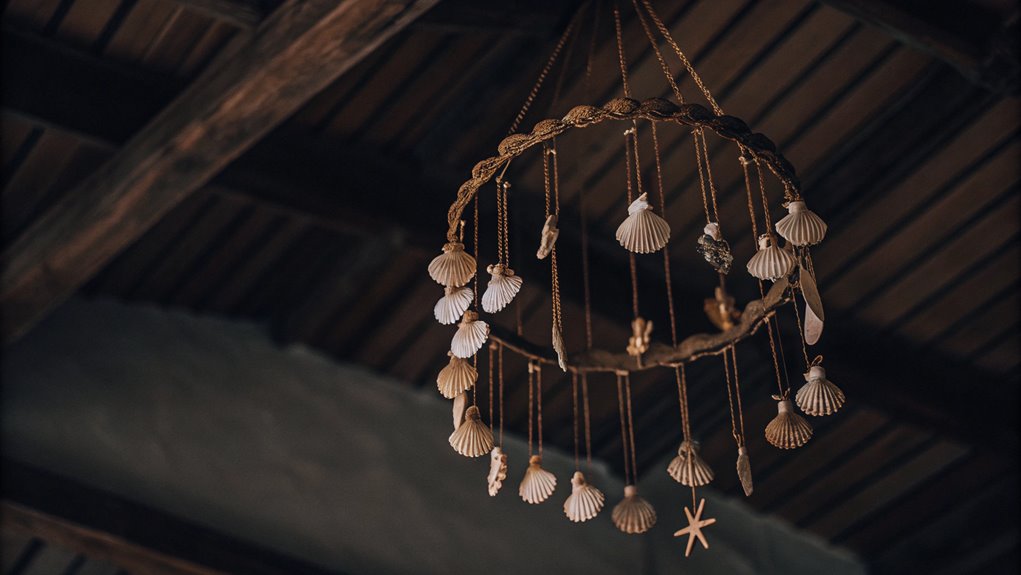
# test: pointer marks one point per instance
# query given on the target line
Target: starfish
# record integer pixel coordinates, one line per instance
(694, 528)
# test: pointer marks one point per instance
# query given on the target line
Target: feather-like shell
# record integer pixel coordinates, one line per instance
(548, 238)
(538, 484)
(472, 438)
(454, 267)
(744, 470)
(770, 262)
(456, 377)
(810, 291)
(693, 472)
(453, 304)
(801, 226)
(633, 514)
(457, 409)
(585, 501)
(813, 326)
(643, 231)
(559, 347)
(819, 396)
(497, 470)
(788, 430)
(503, 286)
(471, 335)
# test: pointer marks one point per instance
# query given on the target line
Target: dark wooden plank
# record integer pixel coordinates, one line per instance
(247, 14)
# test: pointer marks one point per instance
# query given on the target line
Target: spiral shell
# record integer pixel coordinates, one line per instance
(456, 377)
(454, 267)
(770, 262)
(584, 502)
(633, 514)
(471, 335)
(801, 226)
(643, 231)
(497, 470)
(788, 430)
(502, 288)
(472, 438)
(694, 472)
(744, 470)
(538, 484)
(453, 304)
(819, 396)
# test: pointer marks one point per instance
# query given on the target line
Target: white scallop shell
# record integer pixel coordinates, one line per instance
(502, 288)
(801, 226)
(538, 484)
(770, 262)
(643, 231)
(472, 438)
(453, 304)
(788, 430)
(456, 377)
(471, 335)
(558, 346)
(454, 267)
(497, 470)
(694, 472)
(633, 515)
(584, 502)
(819, 396)
(744, 470)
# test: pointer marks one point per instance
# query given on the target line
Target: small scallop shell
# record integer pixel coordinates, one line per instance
(472, 438)
(453, 304)
(454, 267)
(558, 346)
(538, 484)
(643, 231)
(502, 288)
(584, 502)
(694, 472)
(801, 226)
(819, 396)
(770, 262)
(633, 515)
(744, 470)
(471, 335)
(497, 470)
(456, 377)
(788, 430)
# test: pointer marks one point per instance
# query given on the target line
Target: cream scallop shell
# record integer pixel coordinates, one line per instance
(643, 231)
(456, 377)
(502, 288)
(694, 472)
(538, 484)
(633, 515)
(744, 470)
(453, 304)
(770, 262)
(471, 335)
(454, 267)
(819, 396)
(585, 501)
(472, 438)
(788, 430)
(801, 226)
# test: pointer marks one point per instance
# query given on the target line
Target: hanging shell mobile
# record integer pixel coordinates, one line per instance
(688, 468)
(770, 262)
(819, 396)
(801, 226)
(453, 304)
(472, 438)
(456, 377)
(454, 267)
(643, 231)
(788, 430)
(537, 484)
(503, 286)
(471, 335)
(585, 501)
(633, 514)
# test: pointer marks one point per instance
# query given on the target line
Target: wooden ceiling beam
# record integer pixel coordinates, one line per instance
(247, 14)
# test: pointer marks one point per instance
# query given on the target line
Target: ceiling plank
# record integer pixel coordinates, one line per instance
(246, 14)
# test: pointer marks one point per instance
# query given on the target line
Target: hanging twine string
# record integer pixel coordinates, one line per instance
(531, 403)
(666, 250)
(492, 353)
(682, 395)
(620, 50)
(631, 429)
(734, 397)
(538, 401)
(748, 188)
(582, 203)
(499, 357)
(552, 187)
(588, 421)
(659, 55)
(701, 175)
(623, 427)
(801, 331)
(633, 268)
(574, 402)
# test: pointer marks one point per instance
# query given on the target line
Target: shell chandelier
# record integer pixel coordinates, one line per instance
(782, 266)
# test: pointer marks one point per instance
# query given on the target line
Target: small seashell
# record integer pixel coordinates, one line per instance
(558, 346)
(810, 290)
(714, 248)
(472, 438)
(497, 470)
(456, 377)
(538, 484)
(788, 430)
(584, 502)
(770, 262)
(548, 238)
(502, 288)
(744, 470)
(643, 231)
(633, 515)
(641, 337)
(454, 267)
(693, 471)
(819, 396)
(453, 304)
(801, 226)
(471, 335)
(813, 326)
(457, 410)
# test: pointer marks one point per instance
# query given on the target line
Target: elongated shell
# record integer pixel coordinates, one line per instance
(693, 471)
(801, 226)
(457, 409)
(584, 502)
(643, 231)
(548, 238)
(633, 515)
(503, 286)
(454, 267)
(558, 346)
(788, 430)
(538, 484)
(471, 335)
(472, 438)
(744, 471)
(819, 396)
(770, 262)
(456, 377)
(453, 304)
(497, 470)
